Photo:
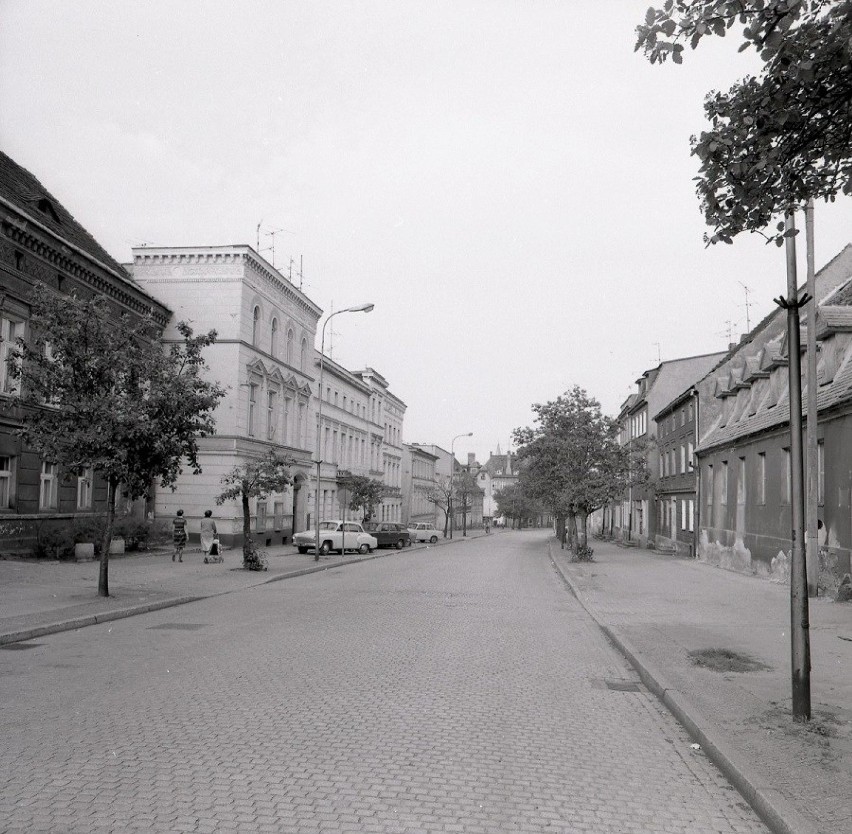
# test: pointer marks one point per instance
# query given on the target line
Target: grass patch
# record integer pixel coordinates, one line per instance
(725, 660)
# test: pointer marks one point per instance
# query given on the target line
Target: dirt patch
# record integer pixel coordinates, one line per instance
(726, 660)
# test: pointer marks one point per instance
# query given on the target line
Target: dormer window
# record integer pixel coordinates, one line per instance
(46, 207)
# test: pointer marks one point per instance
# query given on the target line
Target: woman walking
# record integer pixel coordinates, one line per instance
(208, 533)
(179, 535)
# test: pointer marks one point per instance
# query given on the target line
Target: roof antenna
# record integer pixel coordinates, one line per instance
(747, 306)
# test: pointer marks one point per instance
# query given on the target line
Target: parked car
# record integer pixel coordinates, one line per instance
(334, 535)
(389, 533)
(423, 532)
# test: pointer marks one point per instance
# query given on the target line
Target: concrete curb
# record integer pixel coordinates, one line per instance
(92, 619)
(768, 803)
(131, 611)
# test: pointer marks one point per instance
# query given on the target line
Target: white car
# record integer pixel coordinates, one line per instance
(423, 532)
(336, 535)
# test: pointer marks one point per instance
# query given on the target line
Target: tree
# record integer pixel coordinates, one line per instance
(775, 140)
(513, 502)
(255, 479)
(101, 391)
(440, 495)
(572, 459)
(365, 494)
(465, 487)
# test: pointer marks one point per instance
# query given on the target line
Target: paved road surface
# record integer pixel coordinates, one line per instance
(459, 689)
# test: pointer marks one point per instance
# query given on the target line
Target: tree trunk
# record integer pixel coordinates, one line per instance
(571, 520)
(103, 572)
(582, 528)
(247, 542)
(464, 519)
(560, 530)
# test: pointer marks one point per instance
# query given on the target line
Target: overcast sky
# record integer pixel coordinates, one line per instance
(507, 180)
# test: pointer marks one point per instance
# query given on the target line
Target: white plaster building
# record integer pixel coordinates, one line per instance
(387, 413)
(418, 482)
(264, 356)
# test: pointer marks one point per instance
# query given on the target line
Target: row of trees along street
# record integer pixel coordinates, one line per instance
(571, 463)
(776, 141)
(271, 473)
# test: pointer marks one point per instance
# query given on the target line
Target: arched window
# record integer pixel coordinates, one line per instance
(273, 338)
(255, 322)
(303, 361)
(289, 357)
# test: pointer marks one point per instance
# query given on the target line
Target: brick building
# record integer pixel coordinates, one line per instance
(42, 243)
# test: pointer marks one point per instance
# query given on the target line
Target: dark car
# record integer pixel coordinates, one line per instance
(388, 533)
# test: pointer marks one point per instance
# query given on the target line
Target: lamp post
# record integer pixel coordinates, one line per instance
(360, 308)
(452, 476)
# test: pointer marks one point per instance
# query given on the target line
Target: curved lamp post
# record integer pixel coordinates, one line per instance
(452, 476)
(360, 308)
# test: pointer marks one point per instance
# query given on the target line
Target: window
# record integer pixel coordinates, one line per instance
(10, 330)
(723, 488)
(261, 517)
(708, 494)
(761, 478)
(273, 338)
(49, 486)
(683, 416)
(285, 428)
(683, 459)
(255, 322)
(820, 472)
(271, 408)
(741, 481)
(303, 359)
(7, 482)
(288, 358)
(84, 489)
(690, 455)
(691, 512)
(252, 403)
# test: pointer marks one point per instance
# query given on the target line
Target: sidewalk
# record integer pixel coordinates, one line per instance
(657, 608)
(39, 597)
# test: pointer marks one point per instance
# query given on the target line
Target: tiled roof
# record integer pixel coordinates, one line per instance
(839, 390)
(26, 193)
(831, 317)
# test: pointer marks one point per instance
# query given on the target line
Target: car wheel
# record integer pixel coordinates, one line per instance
(433, 539)
(400, 544)
(325, 548)
(303, 549)
(364, 548)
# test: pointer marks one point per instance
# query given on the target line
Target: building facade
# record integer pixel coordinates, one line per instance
(743, 450)
(388, 413)
(634, 518)
(418, 484)
(677, 483)
(41, 243)
(264, 356)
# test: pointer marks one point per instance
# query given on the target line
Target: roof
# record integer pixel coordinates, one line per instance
(768, 405)
(20, 188)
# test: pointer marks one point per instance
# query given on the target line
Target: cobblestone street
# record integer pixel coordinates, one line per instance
(452, 689)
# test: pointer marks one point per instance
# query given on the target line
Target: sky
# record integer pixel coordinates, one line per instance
(508, 181)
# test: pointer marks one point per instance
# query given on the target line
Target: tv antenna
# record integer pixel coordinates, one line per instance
(659, 355)
(747, 305)
(728, 332)
(300, 274)
(271, 233)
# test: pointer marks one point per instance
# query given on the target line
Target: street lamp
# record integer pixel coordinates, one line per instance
(360, 308)
(452, 476)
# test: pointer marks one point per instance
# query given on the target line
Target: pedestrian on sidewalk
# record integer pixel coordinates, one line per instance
(179, 535)
(208, 533)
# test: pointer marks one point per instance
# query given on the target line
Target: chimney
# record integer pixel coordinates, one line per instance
(471, 458)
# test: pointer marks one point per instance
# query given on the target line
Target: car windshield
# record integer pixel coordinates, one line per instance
(328, 525)
(371, 525)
